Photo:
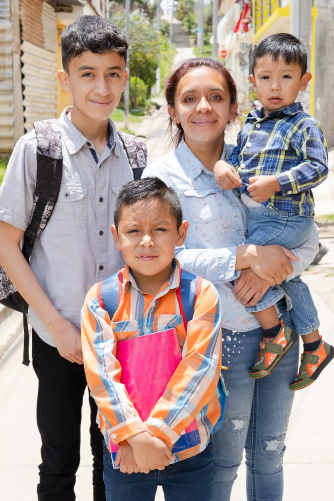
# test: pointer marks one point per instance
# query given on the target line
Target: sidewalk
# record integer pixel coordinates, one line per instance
(324, 193)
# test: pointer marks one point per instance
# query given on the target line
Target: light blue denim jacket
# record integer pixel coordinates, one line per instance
(217, 226)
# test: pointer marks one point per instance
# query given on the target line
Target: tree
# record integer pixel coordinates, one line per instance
(185, 13)
(144, 43)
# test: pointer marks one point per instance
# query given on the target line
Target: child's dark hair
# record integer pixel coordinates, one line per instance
(97, 34)
(284, 45)
(148, 189)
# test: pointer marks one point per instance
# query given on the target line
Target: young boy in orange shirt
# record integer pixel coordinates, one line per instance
(148, 227)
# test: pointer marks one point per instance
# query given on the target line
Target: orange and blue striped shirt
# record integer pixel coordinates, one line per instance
(192, 390)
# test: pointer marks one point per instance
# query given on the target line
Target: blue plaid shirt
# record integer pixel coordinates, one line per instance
(290, 144)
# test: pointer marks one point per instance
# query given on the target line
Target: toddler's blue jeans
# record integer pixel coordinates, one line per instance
(268, 227)
(189, 480)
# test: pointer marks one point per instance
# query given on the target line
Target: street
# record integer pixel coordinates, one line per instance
(309, 458)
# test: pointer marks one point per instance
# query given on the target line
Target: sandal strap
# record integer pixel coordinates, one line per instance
(309, 358)
(273, 348)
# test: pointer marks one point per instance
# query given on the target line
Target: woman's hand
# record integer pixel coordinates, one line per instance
(271, 263)
(249, 288)
(226, 176)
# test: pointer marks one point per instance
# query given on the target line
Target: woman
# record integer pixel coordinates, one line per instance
(202, 100)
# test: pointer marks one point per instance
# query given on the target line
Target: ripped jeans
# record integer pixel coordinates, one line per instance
(256, 419)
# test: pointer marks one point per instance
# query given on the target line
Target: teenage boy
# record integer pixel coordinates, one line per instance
(148, 227)
(281, 154)
(75, 250)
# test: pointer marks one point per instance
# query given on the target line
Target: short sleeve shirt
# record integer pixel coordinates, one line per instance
(76, 249)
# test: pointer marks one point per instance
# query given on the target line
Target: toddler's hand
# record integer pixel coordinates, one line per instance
(150, 453)
(263, 187)
(126, 460)
(226, 176)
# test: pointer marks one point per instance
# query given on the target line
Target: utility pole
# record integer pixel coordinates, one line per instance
(294, 18)
(127, 85)
(157, 88)
(214, 30)
(200, 26)
(301, 27)
(171, 23)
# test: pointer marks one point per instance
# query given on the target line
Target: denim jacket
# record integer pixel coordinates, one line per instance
(217, 226)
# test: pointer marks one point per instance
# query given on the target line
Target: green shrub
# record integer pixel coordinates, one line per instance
(138, 93)
(3, 166)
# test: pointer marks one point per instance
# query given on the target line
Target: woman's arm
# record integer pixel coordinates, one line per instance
(215, 265)
(271, 263)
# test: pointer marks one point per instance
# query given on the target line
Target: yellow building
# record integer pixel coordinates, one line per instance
(269, 17)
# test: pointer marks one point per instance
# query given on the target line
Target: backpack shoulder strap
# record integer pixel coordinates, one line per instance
(49, 174)
(187, 294)
(136, 152)
(110, 293)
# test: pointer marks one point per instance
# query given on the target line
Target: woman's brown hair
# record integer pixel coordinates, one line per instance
(185, 67)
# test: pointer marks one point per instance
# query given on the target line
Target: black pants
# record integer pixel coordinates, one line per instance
(59, 402)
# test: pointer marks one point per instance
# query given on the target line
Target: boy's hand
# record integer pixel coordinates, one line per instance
(226, 176)
(67, 339)
(125, 458)
(263, 187)
(150, 453)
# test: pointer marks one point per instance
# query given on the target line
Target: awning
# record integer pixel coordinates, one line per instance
(226, 25)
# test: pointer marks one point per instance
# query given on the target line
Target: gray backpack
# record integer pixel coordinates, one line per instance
(49, 175)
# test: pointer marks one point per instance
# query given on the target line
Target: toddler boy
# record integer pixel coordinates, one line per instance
(281, 154)
(148, 227)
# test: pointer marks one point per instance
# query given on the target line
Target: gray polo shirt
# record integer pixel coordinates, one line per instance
(76, 249)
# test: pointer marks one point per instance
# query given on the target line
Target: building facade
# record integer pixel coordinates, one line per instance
(30, 33)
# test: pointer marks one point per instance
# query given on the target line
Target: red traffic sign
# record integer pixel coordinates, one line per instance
(223, 53)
